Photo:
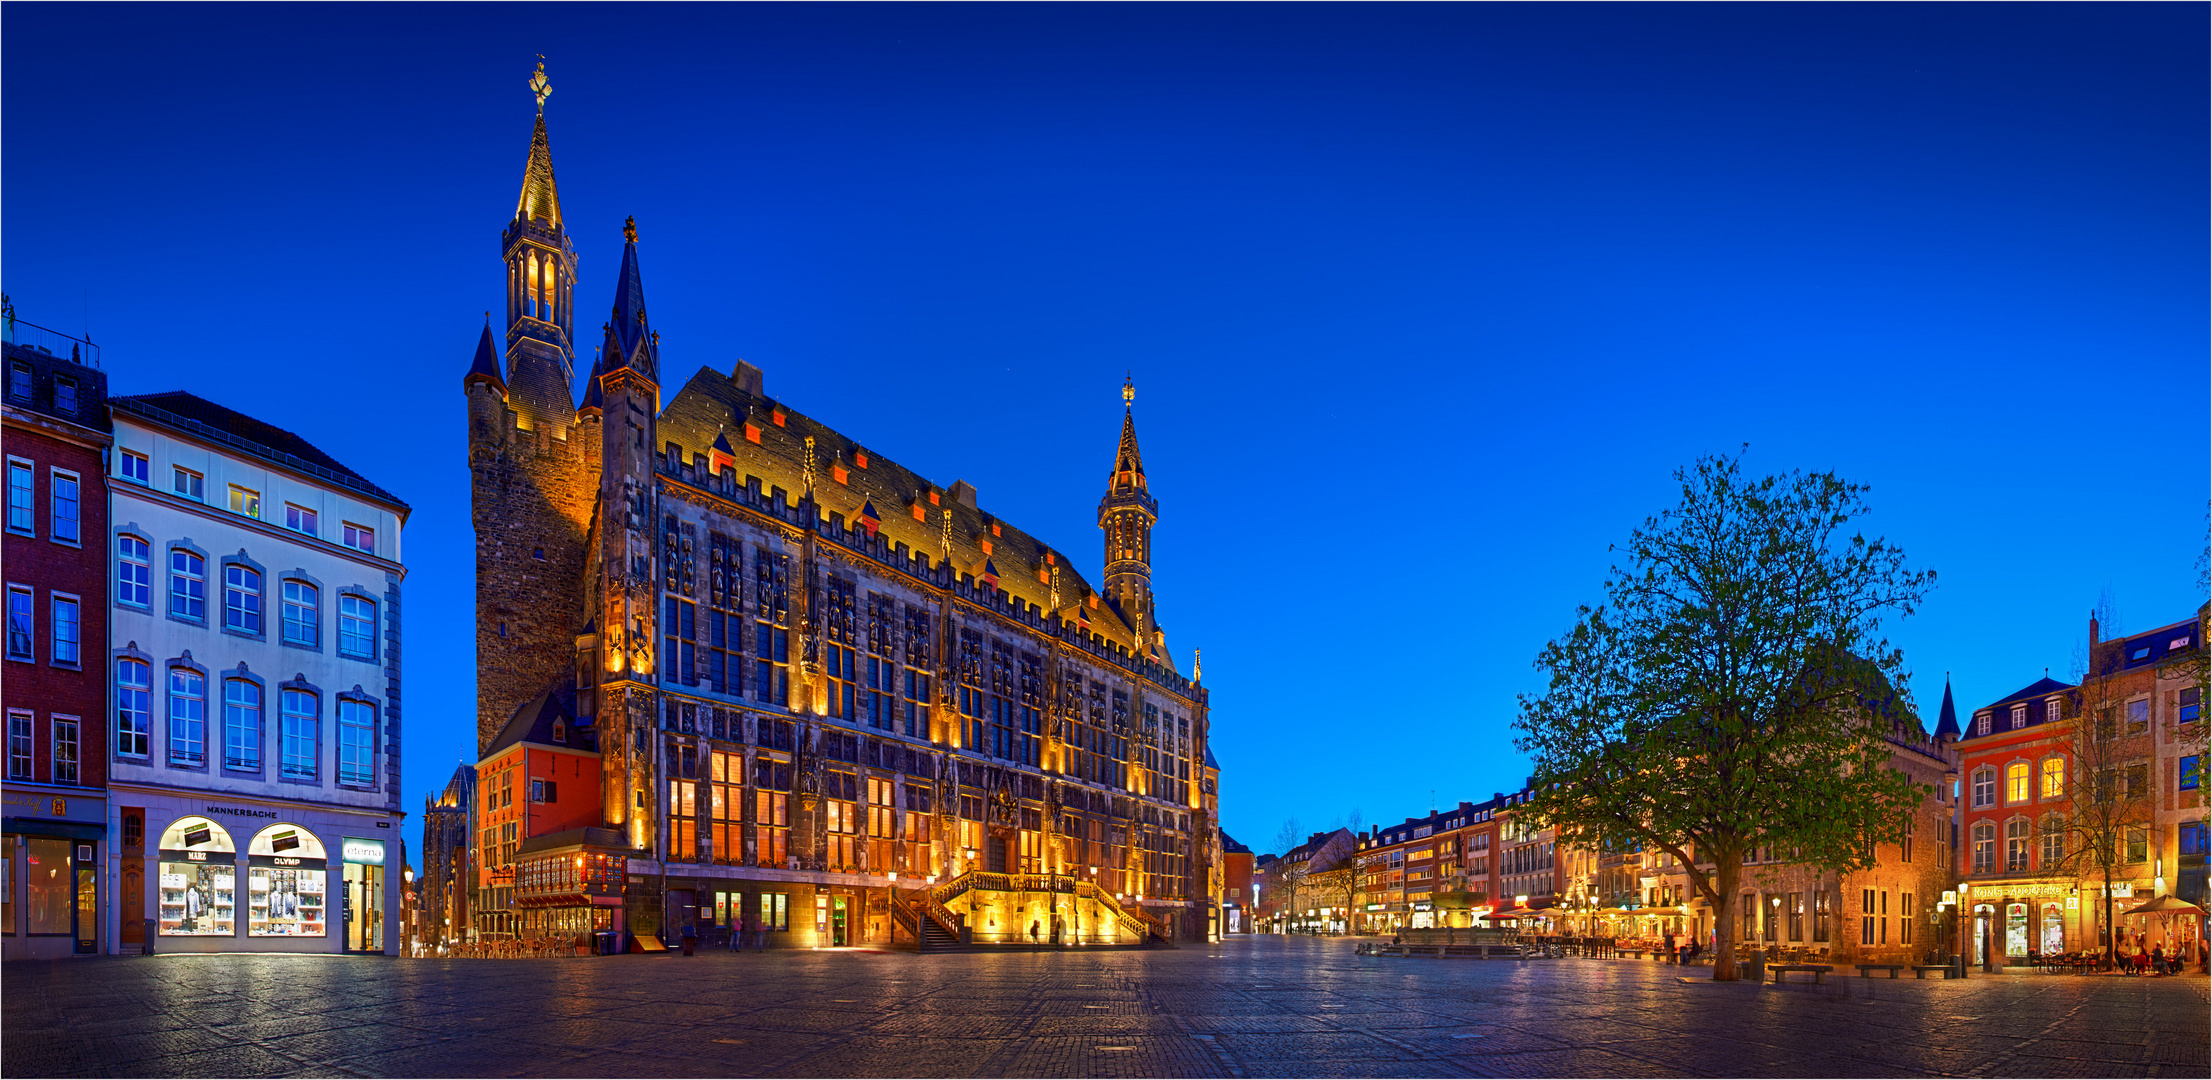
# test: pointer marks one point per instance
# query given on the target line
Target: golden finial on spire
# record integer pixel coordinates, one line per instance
(1128, 391)
(540, 85)
(629, 229)
(1197, 666)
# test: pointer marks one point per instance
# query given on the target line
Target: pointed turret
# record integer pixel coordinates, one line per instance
(1127, 513)
(485, 368)
(541, 290)
(630, 342)
(1947, 720)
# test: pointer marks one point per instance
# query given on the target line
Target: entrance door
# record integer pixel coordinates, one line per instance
(133, 901)
(997, 851)
(839, 919)
(364, 911)
(88, 908)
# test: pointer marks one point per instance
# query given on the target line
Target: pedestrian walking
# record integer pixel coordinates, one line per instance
(1670, 948)
(691, 939)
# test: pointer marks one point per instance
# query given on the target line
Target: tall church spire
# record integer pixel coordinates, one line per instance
(1127, 514)
(631, 342)
(541, 286)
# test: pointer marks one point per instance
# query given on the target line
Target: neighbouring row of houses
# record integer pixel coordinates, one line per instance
(202, 676)
(2032, 801)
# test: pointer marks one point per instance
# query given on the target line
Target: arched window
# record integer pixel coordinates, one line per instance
(2016, 782)
(199, 875)
(133, 706)
(356, 742)
(241, 598)
(302, 736)
(241, 724)
(187, 584)
(357, 626)
(302, 614)
(134, 571)
(187, 716)
(286, 872)
(2054, 777)
(1985, 787)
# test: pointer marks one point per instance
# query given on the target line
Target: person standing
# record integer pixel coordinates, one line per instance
(1670, 948)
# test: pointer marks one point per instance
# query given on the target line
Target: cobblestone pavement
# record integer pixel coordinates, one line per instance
(1252, 1007)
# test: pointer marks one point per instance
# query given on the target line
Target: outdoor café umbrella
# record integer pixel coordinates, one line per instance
(2166, 904)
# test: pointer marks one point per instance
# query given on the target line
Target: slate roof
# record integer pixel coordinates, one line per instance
(714, 405)
(1229, 846)
(533, 722)
(2042, 687)
(198, 416)
(2145, 649)
(486, 364)
(1947, 721)
(589, 835)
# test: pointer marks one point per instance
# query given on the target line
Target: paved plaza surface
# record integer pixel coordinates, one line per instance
(1253, 1006)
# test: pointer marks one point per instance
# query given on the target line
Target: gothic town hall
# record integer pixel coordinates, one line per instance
(740, 671)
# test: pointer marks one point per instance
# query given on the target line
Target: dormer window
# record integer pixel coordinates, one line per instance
(560, 732)
(2050, 711)
(2019, 717)
(1981, 724)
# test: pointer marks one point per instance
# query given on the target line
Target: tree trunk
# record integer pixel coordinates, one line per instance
(1725, 873)
(2111, 932)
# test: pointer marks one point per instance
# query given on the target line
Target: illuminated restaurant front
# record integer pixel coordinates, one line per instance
(570, 883)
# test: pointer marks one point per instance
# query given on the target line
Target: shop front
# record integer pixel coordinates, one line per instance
(569, 886)
(51, 902)
(249, 878)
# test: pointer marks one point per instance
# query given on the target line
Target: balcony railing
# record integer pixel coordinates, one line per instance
(14, 331)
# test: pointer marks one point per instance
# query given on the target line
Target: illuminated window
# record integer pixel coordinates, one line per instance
(2016, 782)
(772, 812)
(2054, 841)
(245, 501)
(2054, 777)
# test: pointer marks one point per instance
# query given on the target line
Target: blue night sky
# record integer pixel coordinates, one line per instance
(1423, 303)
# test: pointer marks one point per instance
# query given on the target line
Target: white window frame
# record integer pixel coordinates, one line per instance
(75, 743)
(289, 765)
(195, 490)
(294, 514)
(369, 728)
(1982, 723)
(348, 537)
(143, 737)
(1977, 795)
(54, 476)
(2051, 711)
(245, 501)
(29, 637)
(144, 562)
(343, 619)
(54, 602)
(25, 511)
(314, 622)
(2019, 716)
(144, 472)
(22, 753)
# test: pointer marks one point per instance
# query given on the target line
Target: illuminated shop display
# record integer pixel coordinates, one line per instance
(199, 880)
(285, 875)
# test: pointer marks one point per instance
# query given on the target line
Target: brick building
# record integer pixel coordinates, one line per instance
(1237, 911)
(828, 693)
(52, 683)
(1434, 871)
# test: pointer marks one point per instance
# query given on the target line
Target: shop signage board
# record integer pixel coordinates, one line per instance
(364, 852)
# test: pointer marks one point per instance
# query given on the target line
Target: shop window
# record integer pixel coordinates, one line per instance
(47, 892)
(198, 880)
(285, 876)
(775, 911)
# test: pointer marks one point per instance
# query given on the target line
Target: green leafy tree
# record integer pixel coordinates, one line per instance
(1734, 690)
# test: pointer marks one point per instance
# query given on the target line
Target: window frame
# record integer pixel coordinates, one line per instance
(55, 722)
(173, 576)
(170, 697)
(24, 511)
(142, 475)
(349, 539)
(295, 514)
(287, 772)
(55, 475)
(144, 736)
(54, 603)
(244, 501)
(344, 702)
(2023, 783)
(196, 490)
(362, 596)
(259, 595)
(144, 562)
(313, 642)
(258, 765)
(22, 747)
(22, 600)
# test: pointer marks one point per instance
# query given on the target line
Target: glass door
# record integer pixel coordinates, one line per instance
(838, 921)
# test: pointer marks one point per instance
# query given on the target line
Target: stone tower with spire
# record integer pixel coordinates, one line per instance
(533, 458)
(624, 390)
(1127, 514)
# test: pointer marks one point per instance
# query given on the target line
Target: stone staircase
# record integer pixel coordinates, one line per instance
(930, 923)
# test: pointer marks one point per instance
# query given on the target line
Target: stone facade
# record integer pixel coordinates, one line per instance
(815, 677)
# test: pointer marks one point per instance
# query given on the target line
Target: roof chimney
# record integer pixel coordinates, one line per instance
(748, 379)
(963, 493)
(2092, 629)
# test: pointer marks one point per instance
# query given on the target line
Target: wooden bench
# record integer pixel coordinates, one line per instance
(1920, 971)
(1820, 971)
(1893, 969)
